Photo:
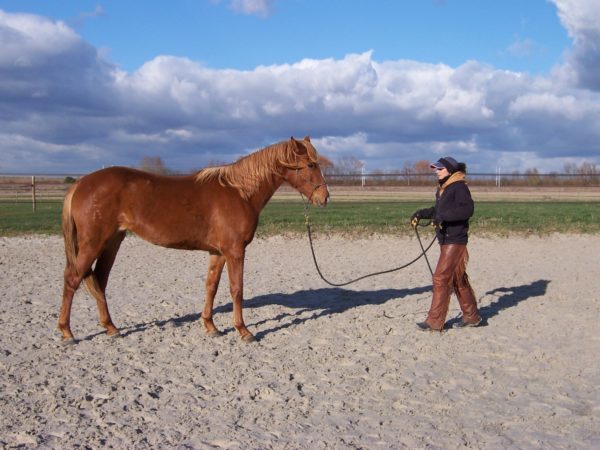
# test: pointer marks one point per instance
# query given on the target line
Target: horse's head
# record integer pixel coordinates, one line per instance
(302, 171)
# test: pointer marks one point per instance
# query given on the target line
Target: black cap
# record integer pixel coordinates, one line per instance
(446, 162)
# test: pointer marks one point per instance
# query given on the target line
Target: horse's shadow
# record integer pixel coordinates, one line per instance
(323, 302)
(331, 301)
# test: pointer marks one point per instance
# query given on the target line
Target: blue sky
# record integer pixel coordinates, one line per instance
(515, 35)
(86, 84)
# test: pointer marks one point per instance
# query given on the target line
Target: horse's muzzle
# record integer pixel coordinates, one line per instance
(320, 196)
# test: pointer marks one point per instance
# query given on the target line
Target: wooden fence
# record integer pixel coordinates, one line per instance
(52, 188)
(33, 189)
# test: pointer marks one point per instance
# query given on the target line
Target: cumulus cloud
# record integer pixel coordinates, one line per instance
(44, 65)
(581, 18)
(64, 108)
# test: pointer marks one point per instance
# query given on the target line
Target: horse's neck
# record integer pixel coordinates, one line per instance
(260, 198)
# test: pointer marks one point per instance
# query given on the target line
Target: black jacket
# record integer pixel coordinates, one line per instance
(453, 208)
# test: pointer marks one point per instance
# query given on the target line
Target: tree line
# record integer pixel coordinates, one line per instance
(348, 170)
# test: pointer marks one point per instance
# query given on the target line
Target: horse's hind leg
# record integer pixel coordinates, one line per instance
(71, 283)
(215, 269)
(102, 271)
(74, 274)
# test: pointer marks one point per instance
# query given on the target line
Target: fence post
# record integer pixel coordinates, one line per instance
(33, 191)
(363, 177)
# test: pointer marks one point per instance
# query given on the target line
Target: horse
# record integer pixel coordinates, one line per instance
(214, 210)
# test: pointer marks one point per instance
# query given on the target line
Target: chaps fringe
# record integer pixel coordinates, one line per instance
(461, 274)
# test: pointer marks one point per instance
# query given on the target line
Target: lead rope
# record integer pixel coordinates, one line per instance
(395, 269)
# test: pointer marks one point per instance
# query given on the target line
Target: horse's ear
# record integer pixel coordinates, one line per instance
(307, 138)
(297, 146)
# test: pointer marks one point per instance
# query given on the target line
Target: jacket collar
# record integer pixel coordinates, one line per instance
(456, 176)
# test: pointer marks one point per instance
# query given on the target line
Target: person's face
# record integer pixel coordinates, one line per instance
(441, 173)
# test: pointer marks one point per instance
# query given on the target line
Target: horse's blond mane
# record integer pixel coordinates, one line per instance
(248, 173)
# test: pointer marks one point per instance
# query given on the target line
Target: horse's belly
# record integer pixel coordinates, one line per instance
(177, 236)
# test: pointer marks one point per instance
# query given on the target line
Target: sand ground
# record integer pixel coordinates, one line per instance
(333, 367)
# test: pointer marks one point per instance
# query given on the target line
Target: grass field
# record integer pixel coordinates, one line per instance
(361, 217)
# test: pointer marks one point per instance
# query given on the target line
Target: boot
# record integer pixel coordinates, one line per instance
(468, 303)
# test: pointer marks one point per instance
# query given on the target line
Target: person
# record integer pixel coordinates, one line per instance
(453, 208)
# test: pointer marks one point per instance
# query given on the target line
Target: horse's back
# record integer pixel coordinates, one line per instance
(171, 211)
(114, 178)
(121, 182)
(108, 195)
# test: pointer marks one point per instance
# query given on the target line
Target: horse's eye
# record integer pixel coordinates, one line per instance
(311, 165)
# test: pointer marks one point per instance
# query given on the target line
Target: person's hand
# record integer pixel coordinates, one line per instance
(414, 219)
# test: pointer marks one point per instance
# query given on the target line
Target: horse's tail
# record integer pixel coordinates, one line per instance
(69, 229)
(71, 247)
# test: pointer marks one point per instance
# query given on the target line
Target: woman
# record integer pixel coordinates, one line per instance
(451, 213)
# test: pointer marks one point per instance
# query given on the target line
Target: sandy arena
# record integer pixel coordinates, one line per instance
(333, 367)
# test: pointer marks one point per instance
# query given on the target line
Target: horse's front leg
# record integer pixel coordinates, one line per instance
(213, 277)
(235, 270)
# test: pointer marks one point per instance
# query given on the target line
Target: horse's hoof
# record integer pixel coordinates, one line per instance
(249, 338)
(68, 341)
(214, 333)
(113, 334)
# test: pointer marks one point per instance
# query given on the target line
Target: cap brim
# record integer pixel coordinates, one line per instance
(436, 166)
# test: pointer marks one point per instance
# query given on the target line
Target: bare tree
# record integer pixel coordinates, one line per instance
(422, 166)
(348, 164)
(154, 164)
(326, 164)
(533, 177)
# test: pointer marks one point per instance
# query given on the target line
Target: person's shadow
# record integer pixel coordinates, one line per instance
(507, 297)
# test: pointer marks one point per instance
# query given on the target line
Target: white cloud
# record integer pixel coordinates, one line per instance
(523, 48)
(83, 17)
(63, 107)
(260, 8)
(581, 18)
(546, 104)
(29, 41)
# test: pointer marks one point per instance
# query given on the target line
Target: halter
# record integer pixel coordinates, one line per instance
(315, 186)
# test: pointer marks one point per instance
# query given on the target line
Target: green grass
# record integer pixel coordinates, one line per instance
(360, 218)
(19, 218)
(537, 217)
(392, 217)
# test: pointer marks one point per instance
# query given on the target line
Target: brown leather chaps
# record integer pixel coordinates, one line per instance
(451, 274)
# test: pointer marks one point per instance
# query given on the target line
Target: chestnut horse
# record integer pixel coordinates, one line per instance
(215, 210)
